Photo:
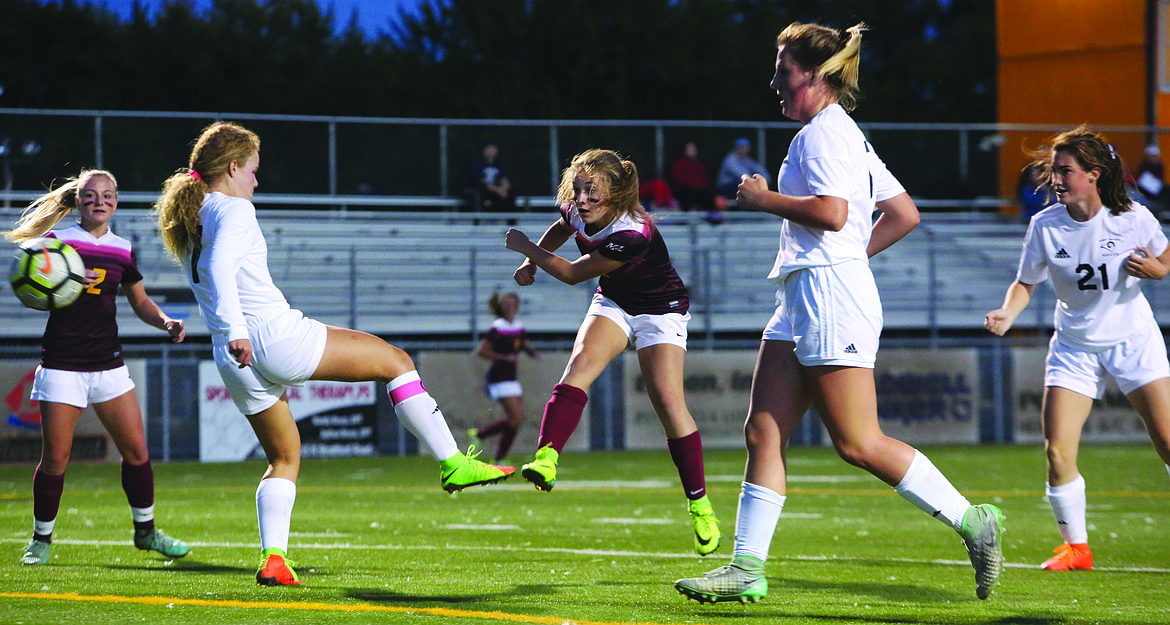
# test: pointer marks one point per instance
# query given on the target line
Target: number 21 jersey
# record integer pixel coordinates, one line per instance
(1098, 303)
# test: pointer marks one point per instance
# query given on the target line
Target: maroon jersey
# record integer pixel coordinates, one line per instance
(504, 338)
(84, 335)
(647, 283)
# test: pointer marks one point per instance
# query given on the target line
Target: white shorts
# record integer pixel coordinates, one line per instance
(833, 314)
(286, 350)
(643, 330)
(80, 388)
(507, 388)
(1134, 362)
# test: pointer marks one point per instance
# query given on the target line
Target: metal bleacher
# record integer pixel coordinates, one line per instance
(413, 273)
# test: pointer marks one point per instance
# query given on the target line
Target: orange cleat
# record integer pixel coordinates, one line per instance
(1070, 558)
(276, 571)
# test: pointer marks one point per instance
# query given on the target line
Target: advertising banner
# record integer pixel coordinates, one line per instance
(456, 380)
(923, 396)
(334, 419)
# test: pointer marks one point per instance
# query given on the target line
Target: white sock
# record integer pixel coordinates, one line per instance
(141, 515)
(1168, 469)
(926, 487)
(418, 411)
(44, 528)
(274, 503)
(756, 519)
(1068, 504)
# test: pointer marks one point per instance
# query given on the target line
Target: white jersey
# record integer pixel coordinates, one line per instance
(228, 269)
(830, 156)
(1098, 304)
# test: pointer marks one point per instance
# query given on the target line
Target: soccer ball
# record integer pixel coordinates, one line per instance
(47, 274)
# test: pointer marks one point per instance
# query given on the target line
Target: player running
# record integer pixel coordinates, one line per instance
(502, 345)
(1096, 246)
(820, 346)
(640, 301)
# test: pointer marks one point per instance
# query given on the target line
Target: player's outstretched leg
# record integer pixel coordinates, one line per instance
(707, 535)
(743, 580)
(542, 471)
(463, 470)
(981, 531)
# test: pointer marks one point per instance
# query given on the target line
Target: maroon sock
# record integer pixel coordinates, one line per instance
(562, 413)
(506, 440)
(687, 454)
(496, 427)
(47, 491)
(138, 482)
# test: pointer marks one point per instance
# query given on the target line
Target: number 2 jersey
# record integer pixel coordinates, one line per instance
(1098, 304)
(504, 337)
(84, 335)
(647, 284)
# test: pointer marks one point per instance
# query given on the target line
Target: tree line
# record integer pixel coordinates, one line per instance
(923, 60)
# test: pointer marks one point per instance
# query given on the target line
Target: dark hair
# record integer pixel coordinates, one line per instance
(1091, 151)
(837, 53)
(496, 302)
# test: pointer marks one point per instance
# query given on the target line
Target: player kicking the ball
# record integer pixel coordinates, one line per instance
(641, 301)
(261, 345)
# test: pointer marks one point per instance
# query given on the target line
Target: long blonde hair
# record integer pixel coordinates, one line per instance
(177, 209)
(837, 53)
(46, 211)
(616, 181)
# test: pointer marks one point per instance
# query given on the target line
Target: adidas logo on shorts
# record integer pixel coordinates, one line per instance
(1062, 254)
(851, 349)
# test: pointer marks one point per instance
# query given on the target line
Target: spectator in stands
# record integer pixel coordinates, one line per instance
(820, 346)
(655, 195)
(690, 181)
(261, 345)
(488, 185)
(1150, 180)
(641, 301)
(81, 360)
(1033, 191)
(1096, 246)
(502, 345)
(737, 164)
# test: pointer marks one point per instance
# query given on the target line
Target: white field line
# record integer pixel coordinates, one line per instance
(578, 552)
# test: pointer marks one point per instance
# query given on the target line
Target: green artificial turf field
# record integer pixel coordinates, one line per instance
(377, 541)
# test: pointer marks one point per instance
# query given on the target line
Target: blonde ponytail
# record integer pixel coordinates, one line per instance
(49, 209)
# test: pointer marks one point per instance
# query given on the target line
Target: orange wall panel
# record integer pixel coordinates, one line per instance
(1029, 27)
(1070, 62)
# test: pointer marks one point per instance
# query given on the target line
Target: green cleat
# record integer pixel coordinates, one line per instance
(157, 540)
(707, 535)
(542, 471)
(981, 529)
(743, 580)
(461, 471)
(36, 553)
